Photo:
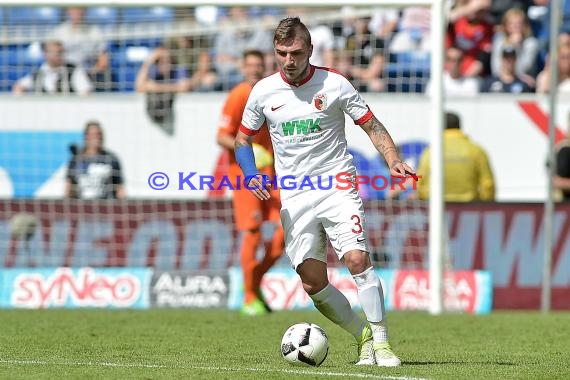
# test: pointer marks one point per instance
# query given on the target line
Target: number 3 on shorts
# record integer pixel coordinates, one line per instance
(358, 226)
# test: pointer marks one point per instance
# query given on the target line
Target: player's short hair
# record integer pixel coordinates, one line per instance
(452, 121)
(254, 53)
(288, 29)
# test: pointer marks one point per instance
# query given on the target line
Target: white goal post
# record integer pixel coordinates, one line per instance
(437, 232)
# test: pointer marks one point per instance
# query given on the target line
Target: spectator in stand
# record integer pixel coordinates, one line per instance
(384, 23)
(543, 79)
(562, 176)
(94, 173)
(474, 35)
(192, 54)
(322, 38)
(454, 83)
(468, 174)
(496, 8)
(564, 39)
(467, 8)
(85, 46)
(499, 9)
(160, 79)
(517, 33)
(565, 27)
(236, 37)
(365, 58)
(414, 31)
(55, 75)
(540, 14)
(323, 46)
(507, 80)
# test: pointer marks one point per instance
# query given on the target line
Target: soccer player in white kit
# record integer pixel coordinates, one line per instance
(304, 107)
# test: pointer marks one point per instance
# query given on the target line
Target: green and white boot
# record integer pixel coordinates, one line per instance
(365, 348)
(384, 356)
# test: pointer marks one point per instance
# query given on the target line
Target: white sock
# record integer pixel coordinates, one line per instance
(379, 331)
(371, 299)
(334, 305)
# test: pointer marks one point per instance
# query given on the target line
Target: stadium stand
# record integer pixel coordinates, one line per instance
(102, 16)
(145, 15)
(32, 16)
(134, 31)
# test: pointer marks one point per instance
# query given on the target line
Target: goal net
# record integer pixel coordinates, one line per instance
(155, 79)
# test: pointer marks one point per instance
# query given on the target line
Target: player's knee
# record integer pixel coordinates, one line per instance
(313, 282)
(357, 261)
(313, 287)
(313, 275)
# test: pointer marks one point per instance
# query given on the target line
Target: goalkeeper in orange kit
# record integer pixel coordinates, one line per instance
(250, 212)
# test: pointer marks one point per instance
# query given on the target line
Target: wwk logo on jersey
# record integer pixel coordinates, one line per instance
(320, 101)
(301, 126)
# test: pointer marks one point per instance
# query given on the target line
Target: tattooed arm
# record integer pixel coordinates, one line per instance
(385, 145)
(242, 140)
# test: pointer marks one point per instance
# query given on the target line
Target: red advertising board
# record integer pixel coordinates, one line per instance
(411, 290)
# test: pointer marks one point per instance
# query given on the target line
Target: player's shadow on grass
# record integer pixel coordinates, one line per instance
(458, 362)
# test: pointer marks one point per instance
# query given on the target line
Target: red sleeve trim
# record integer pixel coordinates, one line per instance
(364, 118)
(247, 131)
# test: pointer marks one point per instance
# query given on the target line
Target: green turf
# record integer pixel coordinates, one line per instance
(195, 344)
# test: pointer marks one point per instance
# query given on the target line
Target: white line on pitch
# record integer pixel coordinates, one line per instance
(209, 368)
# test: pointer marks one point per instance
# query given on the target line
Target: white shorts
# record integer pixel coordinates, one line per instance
(309, 217)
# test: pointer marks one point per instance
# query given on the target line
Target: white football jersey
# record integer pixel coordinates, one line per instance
(306, 123)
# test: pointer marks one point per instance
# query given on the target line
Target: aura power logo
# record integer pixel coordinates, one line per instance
(301, 127)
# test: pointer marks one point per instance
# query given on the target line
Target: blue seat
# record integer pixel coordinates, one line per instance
(117, 46)
(125, 77)
(103, 16)
(407, 71)
(414, 83)
(13, 54)
(21, 54)
(129, 55)
(33, 15)
(126, 59)
(17, 61)
(412, 59)
(10, 74)
(152, 14)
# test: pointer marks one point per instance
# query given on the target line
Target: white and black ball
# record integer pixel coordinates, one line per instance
(305, 344)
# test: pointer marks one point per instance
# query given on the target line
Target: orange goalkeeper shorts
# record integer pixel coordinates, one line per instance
(250, 212)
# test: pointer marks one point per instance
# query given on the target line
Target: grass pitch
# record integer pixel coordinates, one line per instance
(216, 344)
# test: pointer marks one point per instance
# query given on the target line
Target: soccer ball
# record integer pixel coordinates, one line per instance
(305, 344)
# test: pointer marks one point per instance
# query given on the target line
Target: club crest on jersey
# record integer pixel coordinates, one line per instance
(320, 101)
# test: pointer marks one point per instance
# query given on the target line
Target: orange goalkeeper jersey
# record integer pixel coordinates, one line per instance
(231, 121)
